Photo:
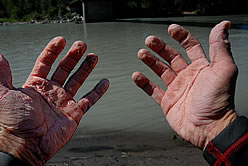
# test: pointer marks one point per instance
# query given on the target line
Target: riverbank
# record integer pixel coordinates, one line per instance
(238, 21)
(76, 19)
(119, 148)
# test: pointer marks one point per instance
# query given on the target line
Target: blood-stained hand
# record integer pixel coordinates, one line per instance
(199, 100)
(41, 117)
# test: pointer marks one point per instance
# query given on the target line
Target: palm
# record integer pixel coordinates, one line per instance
(44, 113)
(198, 94)
(38, 117)
(203, 97)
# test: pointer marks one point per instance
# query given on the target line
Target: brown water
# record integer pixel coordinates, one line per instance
(124, 107)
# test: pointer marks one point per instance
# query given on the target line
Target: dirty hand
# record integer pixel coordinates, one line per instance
(41, 117)
(199, 100)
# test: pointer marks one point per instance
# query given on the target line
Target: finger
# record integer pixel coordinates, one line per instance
(73, 110)
(220, 47)
(68, 63)
(94, 95)
(47, 57)
(5, 73)
(188, 42)
(161, 69)
(149, 87)
(176, 61)
(77, 79)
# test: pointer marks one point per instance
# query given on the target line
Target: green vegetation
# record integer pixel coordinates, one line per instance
(26, 10)
(161, 8)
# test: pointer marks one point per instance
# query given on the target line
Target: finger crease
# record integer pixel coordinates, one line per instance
(192, 45)
(74, 58)
(48, 58)
(172, 57)
(154, 63)
(46, 63)
(78, 81)
(185, 37)
(163, 71)
(147, 88)
(53, 51)
(162, 49)
(87, 70)
(66, 69)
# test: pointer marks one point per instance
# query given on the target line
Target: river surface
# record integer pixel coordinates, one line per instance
(124, 107)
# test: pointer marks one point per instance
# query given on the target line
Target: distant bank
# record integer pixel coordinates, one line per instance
(238, 21)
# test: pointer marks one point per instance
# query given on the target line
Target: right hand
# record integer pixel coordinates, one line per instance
(199, 101)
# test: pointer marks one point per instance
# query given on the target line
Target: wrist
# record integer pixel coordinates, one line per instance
(220, 125)
(230, 146)
(24, 149)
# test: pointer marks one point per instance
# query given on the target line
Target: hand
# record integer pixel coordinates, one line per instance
(199, 100)
(41, 117)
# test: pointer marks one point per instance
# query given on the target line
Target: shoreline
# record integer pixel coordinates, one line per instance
(76, 19)
(124, 148)
(41, 22)
(237, 21)
(193, 20)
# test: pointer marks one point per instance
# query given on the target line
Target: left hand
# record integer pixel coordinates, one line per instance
(41, 117)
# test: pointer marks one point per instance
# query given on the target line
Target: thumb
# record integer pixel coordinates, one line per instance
(220, 47)
(5, 73)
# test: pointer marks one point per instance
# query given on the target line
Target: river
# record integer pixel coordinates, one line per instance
(124, 107)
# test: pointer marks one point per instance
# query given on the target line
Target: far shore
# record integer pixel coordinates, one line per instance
(76, 19)
(238, 21)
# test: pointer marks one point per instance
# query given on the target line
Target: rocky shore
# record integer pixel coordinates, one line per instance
(75, 19)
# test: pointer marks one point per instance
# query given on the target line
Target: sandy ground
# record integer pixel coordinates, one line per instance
(121, 148)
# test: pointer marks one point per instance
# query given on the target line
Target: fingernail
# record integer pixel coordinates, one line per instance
(91, 60)
(104, 83)
(142, 53)
(89, 63)
(141, 56)
(156, 44)
(138, 78)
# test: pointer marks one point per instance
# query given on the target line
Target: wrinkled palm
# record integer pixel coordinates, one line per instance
(43, 112)
(200, 96)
